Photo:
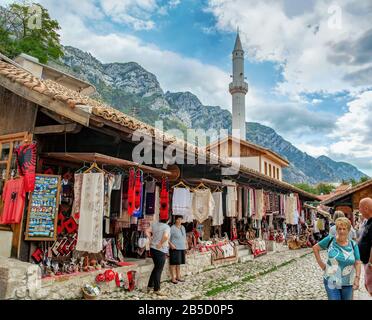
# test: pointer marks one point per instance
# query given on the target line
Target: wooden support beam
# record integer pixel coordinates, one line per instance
(58, 129)
(45, 101)
(108, 160)
(54, 116)
(116, 134)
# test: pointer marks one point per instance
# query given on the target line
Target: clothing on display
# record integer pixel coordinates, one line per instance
(231, 199)
(117, 182)
(131, 191)
(14, 201)
(90, 232)
(164, 200)
(181, 202)
(217, 216)
(240, 203)
(157, 204)
(203, 205)
(138, 195)
(78, 181)
(259, 199)
(108, 184)
(291, 209)
(150, 197)
(320, 224)
(246, 203)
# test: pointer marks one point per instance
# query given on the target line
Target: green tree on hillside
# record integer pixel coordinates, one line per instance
(29, 29)
(363, 179)
(306, 187)
(323, 188)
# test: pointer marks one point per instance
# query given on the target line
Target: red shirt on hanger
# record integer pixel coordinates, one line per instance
(14, 201)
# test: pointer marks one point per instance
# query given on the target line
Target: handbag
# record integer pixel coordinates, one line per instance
(142, 241)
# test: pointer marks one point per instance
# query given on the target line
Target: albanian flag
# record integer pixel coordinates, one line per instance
(26, 160)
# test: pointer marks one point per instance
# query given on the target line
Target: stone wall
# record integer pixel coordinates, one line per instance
(21, 280)
(18, 280)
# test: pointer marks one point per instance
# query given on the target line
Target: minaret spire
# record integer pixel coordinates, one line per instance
(238, 88)
(238, 43)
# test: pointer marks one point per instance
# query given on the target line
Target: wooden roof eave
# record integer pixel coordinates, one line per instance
(45, 101)
(104, 160)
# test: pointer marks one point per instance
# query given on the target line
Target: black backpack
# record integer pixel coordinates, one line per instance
(329, 243)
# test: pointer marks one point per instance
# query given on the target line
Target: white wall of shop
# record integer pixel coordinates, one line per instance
(250, 162)
(273, 164)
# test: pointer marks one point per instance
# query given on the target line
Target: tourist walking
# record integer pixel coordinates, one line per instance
(178, 245)
(159, 234)
(365, 242)
(332, 230)
(342, 269)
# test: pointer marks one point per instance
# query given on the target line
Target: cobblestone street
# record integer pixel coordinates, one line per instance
(287, 275)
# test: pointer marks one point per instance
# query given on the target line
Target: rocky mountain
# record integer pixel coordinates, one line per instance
(135, 91)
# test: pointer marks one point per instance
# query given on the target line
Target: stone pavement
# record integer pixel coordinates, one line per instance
(289, 275)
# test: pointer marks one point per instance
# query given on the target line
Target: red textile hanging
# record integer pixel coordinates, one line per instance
(26, 159)
(164, 200)
(299, 207)
(137, 190)
(14, 196)
(131, 192)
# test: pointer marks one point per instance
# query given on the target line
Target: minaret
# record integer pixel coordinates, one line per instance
(238, 88)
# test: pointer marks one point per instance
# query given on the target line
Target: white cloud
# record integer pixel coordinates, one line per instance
(136, 13)
(314, 151)
(354, 129)
(316, 101)
(174, 71)
(302, 43)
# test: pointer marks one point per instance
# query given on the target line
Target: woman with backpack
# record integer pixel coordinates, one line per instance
(342, 269)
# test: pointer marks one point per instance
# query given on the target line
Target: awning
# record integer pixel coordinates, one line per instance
(319, 210)
(102, 159)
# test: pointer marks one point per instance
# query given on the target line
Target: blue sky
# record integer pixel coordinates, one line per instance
(308, 62)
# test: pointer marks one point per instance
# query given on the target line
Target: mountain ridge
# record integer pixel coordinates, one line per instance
(132, 89)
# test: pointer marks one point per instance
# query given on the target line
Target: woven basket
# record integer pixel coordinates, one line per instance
(88, 296)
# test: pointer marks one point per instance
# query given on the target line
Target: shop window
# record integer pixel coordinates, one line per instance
(8, 163)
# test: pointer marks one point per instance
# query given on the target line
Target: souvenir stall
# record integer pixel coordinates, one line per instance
(318, 220)
(83, 217)
(199, 201)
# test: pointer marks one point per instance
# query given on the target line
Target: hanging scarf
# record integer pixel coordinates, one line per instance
(131, 192)
(138, 195)
(164, 200)
(150, 197)
(26, 159)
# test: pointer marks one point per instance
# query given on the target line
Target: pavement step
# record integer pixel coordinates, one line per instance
(244, 252)
(242, 247)
(246, 258)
